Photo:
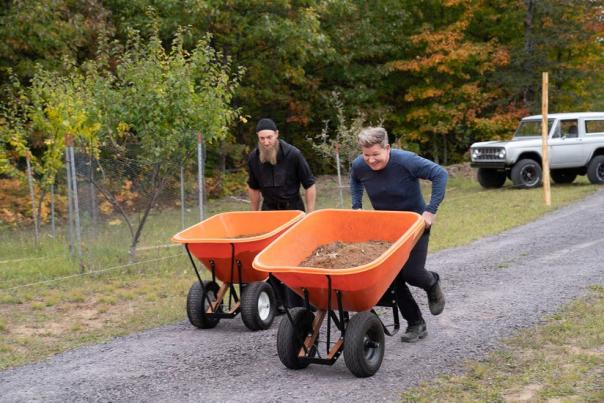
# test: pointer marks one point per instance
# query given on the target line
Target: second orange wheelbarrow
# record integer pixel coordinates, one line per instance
(333, 293)
(226, 244)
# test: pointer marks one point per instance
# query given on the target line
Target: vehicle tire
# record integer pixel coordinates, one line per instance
(258, 306)
(595, 170)
(526, 174)
(291, 336)
(197, 304)
(364, 344)
(490, 178)
(563, 176)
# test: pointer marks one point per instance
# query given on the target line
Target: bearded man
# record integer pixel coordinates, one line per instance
(276, 171)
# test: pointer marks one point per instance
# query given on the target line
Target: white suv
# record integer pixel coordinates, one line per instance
(576, 147)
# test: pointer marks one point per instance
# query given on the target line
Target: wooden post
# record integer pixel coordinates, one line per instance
(544, 145)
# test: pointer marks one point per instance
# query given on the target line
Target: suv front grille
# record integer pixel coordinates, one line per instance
(486, 154)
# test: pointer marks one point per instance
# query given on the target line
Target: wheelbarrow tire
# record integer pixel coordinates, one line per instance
(258, 305)
(197, 304)
(291, 336)
(364, 344)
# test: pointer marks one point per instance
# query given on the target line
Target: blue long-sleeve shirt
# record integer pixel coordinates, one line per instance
(396, 186)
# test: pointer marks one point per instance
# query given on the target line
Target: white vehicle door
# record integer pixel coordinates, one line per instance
(565, 145)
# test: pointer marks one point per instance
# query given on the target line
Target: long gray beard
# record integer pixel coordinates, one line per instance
(269, 156)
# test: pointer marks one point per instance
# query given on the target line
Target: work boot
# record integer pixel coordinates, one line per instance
(436, 298)
(414, 333)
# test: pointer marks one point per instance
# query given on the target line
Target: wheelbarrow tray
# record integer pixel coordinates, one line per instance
(360, 287)
(235, 238)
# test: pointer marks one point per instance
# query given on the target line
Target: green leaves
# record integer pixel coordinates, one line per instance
(165, 97)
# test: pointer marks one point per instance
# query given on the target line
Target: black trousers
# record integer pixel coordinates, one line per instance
(414, 273)
(285, 296)
(283, 204)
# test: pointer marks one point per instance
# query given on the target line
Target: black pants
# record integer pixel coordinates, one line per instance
(414, 273)
(283, 204)
(285, 296)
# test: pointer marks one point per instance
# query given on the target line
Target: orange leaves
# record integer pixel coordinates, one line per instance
(418, 93)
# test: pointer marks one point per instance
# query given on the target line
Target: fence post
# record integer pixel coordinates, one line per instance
(93, 208)
(30, 181)
(182, 197)
(200, 179)
(339, 175)
(76, 207)
(69, 193)
(52, 210)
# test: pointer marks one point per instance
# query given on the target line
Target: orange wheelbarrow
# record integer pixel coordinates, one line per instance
(226, 244)
(333, 293)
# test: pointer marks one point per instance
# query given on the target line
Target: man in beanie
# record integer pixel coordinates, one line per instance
(276, 171)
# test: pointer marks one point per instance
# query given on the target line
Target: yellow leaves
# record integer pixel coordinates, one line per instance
(123, 128)
(418, 93)
(106, 208)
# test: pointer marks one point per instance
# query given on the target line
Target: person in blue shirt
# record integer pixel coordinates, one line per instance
(391, 179)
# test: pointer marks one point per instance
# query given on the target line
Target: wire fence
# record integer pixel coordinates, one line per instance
(104, 204)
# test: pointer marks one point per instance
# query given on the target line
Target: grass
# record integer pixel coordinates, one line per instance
(47, 305)
(559, 361)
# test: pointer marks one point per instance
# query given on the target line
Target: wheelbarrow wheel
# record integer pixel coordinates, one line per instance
(197, 304)
(258, 306)
(364, 344)
(291, 336)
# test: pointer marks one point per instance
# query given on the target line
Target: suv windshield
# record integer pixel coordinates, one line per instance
(532, 128)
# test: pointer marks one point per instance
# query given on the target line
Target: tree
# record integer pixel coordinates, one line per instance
(444, 89)
(45, 32)
(152, 106)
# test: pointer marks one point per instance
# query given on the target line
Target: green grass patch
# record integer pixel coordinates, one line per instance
(561, 360)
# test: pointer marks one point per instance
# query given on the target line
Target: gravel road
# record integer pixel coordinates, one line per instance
(493, 287)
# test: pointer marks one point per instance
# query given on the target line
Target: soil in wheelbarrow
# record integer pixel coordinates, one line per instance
(341, 255)
(248, 235)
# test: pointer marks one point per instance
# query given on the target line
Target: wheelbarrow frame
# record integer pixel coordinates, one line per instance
(335, 293)
(221, 244)
(213, 311)
(309, 352)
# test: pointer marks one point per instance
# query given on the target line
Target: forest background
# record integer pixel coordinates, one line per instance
(141, 78)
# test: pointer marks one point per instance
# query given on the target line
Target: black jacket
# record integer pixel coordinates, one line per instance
(280, 184)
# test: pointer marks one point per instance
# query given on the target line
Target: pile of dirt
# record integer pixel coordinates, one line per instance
(340, 255)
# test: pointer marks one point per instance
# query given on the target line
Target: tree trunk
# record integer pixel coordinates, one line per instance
(529, 47)
(158, 184)
(435, 149)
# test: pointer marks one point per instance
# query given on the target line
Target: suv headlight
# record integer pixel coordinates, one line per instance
(501, 154)
(475, 153)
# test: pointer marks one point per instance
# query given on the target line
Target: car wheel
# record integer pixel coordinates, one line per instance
(563, 176)
(490, 178)
(526, 174)
(595, 170)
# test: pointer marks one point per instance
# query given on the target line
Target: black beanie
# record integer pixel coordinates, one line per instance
(266, 124)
